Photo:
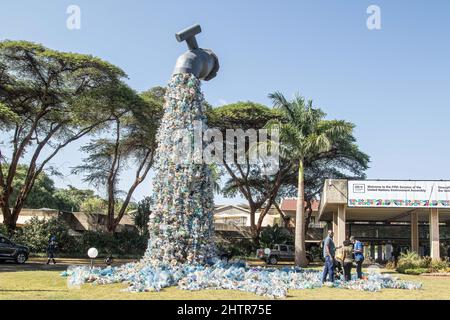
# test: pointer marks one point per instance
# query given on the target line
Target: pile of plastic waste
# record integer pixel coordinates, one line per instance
(268, 282)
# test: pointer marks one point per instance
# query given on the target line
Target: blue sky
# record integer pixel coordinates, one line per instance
(393, 83)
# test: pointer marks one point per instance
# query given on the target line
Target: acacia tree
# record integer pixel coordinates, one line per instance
(319, 148)
(48, 99)
(131, 141)
(260, 190)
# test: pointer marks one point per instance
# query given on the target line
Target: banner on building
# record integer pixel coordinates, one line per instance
(403, 194)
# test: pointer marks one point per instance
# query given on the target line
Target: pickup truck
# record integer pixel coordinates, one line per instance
(279, 252)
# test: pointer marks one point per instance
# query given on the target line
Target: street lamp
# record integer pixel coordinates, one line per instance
(92, 253)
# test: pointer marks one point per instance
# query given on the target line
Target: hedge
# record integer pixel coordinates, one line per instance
(36, 233)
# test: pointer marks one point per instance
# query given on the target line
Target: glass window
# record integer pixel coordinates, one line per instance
(283, 248)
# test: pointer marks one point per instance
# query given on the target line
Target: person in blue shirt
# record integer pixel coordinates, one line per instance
(358, 250)
(329, 251)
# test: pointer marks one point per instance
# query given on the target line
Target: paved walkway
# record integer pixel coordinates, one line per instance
(39, 264)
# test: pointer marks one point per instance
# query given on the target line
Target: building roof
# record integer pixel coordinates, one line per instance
(335, 193)
(290, 204)
(221, 208)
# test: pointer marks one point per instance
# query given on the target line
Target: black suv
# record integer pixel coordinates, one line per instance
(11, 251)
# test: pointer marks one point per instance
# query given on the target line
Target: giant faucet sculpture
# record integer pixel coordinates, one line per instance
(181, 220)
(202, 63)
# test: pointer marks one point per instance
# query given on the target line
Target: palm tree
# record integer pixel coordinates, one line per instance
(305, 138)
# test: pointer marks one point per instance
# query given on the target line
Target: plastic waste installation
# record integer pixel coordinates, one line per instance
(180, 247)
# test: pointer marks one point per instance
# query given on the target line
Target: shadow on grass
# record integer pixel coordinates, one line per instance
(32, 290)
(13, 267)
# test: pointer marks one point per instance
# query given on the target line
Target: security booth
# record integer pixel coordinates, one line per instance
(409, 215)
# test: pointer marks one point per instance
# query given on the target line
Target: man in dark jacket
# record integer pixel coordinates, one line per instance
(51, 249)
(395, 253)
(329, 251)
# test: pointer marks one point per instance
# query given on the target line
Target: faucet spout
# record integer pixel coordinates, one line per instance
(202, 63)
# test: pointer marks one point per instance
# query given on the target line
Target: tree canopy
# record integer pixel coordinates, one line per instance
(260, 190)
(48, 99)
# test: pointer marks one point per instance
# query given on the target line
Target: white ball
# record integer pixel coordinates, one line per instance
(92, 253)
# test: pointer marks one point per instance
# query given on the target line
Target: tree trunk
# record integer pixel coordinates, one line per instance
(110, 223)
(253, 227)
(300, 252)
(283, 217)
(255, 236)
(111, 227)
(8, 220)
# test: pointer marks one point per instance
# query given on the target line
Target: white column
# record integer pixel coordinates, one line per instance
(434, 234)
(334, 224)
(414, 232)
(341, 218)
(379, 252)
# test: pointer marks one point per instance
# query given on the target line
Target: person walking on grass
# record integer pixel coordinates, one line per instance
(358, 250)
(329, 251)
(51, 249)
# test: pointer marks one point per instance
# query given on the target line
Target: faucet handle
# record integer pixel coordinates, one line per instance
(188, 35)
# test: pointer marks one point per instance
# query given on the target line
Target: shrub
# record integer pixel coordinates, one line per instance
(425, 262)
(439, 265)
(36, 233)
(3, 229)
(411, 260)
(237, 247)
(390, 265)
(408, 260)
(417, 271)
(126, 243)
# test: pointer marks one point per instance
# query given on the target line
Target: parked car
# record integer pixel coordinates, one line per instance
(279, 252)
(12, 251)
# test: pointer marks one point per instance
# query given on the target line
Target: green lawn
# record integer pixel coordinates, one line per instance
(50, 285)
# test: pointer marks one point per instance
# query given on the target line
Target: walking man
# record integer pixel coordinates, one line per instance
(329, 251)
(51, 250)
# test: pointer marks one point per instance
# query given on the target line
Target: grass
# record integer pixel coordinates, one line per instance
(49, 285)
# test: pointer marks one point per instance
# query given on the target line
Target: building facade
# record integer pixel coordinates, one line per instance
(388, 213)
